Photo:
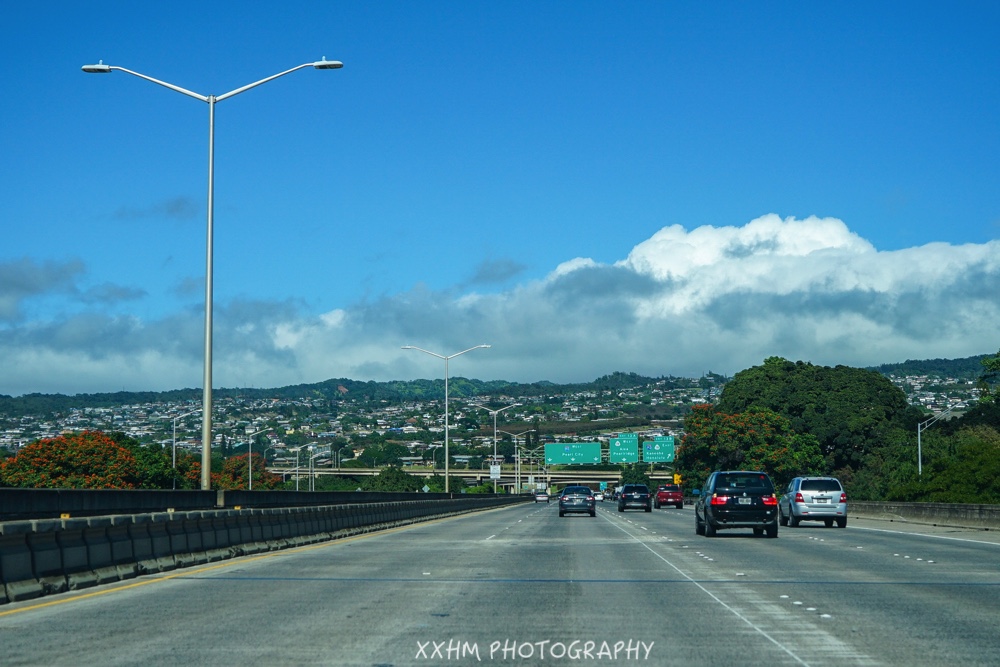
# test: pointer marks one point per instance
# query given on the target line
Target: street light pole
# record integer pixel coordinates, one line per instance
(173, 448)
(250, 458)
(517, 464)
(923, 426)
(495, 413)
(448, 358)
(211, 100)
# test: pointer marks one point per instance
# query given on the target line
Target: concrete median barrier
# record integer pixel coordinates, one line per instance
(42, 557)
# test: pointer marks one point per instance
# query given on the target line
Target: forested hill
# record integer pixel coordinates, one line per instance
(968, 368)
(338, 389)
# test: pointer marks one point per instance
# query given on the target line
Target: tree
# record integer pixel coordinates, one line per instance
(636, 474)
(392, 479)
(850, 411)
(234, 474)
(757, 439)
(87, 460)
(967, 470)
(989, 377)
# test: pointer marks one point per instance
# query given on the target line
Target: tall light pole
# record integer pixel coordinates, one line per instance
(923, 426)
(206, 406)
(250, 457)
(495, 413)
(447, 488)
(173, 448)
(517, 460)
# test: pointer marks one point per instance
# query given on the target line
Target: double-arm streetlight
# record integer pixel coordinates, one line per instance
(447, 488)
(173, 447)
(517, 455)
(495, 413)
(206, 424)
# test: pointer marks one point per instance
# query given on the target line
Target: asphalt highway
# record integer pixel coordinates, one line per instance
(522, 586)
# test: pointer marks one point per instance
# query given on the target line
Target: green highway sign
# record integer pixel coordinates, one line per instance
(658, 450)
(573, 453)
(624, 448)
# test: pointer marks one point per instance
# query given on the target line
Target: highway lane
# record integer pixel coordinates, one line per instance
(504, 586)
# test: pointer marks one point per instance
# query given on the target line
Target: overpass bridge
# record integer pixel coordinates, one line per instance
(509, 478)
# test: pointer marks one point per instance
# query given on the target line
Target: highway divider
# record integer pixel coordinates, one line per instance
(48, 556)
(958, 515)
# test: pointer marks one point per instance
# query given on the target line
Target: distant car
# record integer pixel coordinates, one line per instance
(577, 500)
(668, 494)
(634, 496)
(599, 496)
(813, 499)
(737, 499)
(541, 496)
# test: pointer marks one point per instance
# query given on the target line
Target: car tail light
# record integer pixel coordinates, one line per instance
(799, 498)
(719, 500)
(770, 500)
(590, 497)
(843, 497)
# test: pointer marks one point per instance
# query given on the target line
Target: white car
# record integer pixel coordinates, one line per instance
(599, 495)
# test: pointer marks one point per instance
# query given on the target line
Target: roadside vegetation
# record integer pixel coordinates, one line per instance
(786, 418)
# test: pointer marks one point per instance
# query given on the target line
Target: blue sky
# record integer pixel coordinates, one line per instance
(589, 187)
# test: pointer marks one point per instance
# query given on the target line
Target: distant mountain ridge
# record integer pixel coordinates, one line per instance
(331, 390)
(968, 368)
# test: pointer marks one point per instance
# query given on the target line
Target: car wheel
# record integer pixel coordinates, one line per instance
(709, 529)
(757, 532)
(656, 505)
(828, 523)
(561, 513)
(679, 506)
(593, 512)
(648, 508)
(772, 530)
(621, 509)
(782, 519)
(699, 527)
(842, 523)
(793, 521)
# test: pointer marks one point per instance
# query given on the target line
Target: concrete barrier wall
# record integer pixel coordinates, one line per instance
(42, 557)
(985, 517)
(23, 504)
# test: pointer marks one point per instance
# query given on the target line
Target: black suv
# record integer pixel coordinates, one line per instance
(635, 496)
(737, 499)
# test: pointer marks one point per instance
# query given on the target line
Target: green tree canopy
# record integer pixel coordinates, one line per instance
(757, 439)
(392, 479)
(850, 411)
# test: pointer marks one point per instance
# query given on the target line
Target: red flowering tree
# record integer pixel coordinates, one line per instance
(757, 439)
(88, 460)
(234, 474)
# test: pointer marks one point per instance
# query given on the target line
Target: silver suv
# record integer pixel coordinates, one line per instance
(813, 499)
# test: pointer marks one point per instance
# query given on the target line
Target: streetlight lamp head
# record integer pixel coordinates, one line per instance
(99, 68)
(328, 64)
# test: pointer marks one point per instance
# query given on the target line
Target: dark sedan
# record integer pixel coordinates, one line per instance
(577, 500)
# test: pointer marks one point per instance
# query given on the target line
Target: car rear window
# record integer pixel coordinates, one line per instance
(756, 482)
(670, 488)
(820, 485)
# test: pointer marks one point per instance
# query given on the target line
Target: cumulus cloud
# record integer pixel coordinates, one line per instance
(683, 302)
(495, 271)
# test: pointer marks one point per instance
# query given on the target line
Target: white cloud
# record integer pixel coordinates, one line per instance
(682, 303)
